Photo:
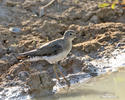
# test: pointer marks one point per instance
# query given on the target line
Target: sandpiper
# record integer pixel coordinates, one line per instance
(53, 51)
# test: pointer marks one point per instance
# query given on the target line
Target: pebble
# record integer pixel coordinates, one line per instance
(9, 77)
(41, 12)
(14, 29)
(23, 75)
(94, 19)
(120, 45)
(1, 89)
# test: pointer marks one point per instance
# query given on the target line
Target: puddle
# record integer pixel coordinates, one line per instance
(106, 87)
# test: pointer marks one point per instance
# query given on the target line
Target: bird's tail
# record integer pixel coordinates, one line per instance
(26, 57)
(26, 54)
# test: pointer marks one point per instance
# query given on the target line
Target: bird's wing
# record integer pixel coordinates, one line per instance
(48, 49)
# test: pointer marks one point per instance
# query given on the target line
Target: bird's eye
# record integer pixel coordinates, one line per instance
(70, 34)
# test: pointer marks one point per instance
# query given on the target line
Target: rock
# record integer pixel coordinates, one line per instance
(72, 14)
(1, 89)
(11, 49)
(3, 66)
(72, 64)
(108, 14)
(40, 84)
(17, 1)
(6, 62)
(88, 16)
(23, 75)
(88, 47)
(15, 30)
(11, 58)
(15, 69)
(9, 77)
(2, 50)
(0, 79)
(92, 70)
(92, 47)
(41, 12)
(119, 45)
(10, 4)
(94, 19)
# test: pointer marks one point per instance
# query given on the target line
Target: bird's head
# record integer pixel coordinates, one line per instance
(70, 34)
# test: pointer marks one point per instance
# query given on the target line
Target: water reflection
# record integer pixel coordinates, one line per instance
(108, 87)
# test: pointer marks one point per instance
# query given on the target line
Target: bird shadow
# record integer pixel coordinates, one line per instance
(73, 93)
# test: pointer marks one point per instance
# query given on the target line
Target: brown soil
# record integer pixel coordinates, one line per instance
(99, 30)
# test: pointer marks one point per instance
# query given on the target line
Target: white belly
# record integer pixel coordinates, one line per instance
(56, 58)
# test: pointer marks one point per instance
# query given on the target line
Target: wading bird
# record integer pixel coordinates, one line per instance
(53, 52)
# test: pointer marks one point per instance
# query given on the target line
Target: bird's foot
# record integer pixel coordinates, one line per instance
(56, 68)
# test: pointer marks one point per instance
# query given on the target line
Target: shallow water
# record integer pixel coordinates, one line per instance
(106, 87)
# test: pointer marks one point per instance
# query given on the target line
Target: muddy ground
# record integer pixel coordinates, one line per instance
(99, 32)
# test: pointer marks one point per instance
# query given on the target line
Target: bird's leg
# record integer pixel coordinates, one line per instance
(67, 82)
(55, 69)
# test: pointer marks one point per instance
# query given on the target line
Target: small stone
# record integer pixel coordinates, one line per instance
(94, 74)
(94, 19)
(3, 66)
(23, 75)
(11, 49)
(1, 88)
(41, 12)
(120, 45)
(14, 29)
(2, 49)
(10, 4)
(9, 77)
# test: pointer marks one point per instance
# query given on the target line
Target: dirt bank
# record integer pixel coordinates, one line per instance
(99, 32)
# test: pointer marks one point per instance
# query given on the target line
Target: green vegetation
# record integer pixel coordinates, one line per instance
(112, 4)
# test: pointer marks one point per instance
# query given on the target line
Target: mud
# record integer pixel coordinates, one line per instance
(100, 31)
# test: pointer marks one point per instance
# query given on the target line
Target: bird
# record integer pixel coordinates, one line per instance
(52, 52)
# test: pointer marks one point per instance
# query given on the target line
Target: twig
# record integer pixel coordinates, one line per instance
(43, 9)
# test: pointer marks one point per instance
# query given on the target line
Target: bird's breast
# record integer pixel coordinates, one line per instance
(60, 56)
(55, 58)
